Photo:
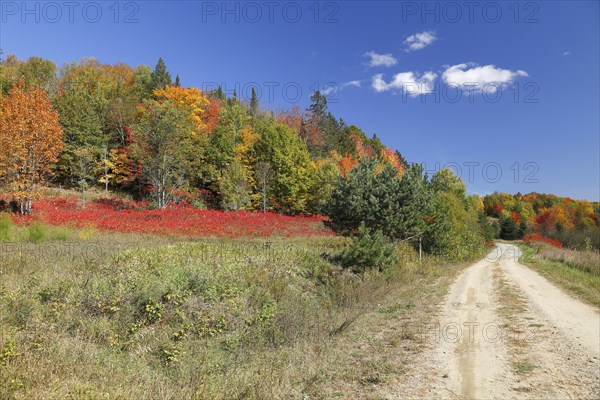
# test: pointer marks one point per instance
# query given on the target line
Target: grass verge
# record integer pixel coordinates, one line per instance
(569, 269)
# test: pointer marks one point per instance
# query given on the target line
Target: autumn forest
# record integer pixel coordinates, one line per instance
(139, 133)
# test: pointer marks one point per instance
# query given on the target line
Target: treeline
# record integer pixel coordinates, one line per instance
(575, 223)
(138, 131)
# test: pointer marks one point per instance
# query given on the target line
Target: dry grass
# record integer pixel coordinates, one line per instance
(87, 315)
(587, 261)
(578, 272)
(370, 358)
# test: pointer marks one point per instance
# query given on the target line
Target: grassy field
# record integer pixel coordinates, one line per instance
(578, 272)
(91, 315)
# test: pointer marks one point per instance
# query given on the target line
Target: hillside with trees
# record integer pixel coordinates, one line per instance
(138, 132)
(135, 132)
(575, 223)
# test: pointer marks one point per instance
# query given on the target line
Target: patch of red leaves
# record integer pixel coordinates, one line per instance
(182, 219)
(536, 237)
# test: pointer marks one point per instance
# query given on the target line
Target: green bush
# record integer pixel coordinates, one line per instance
(60, 233)
(368, 250)
(36, 232)
(6, 228)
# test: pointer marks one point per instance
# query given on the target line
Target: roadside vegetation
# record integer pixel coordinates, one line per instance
(577, 271)
(382, 347)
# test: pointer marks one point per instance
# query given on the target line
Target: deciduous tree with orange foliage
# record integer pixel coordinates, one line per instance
(390, 157)
(188, 99)
(31, 139)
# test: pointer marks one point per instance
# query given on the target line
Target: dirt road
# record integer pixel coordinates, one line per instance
(505, 332)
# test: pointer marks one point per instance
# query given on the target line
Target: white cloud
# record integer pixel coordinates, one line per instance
(377, 60)
(330, 89)
(419, 40)
(379, 84)
(408, 82)
(566, 53)
(352, 83)
(481, 78)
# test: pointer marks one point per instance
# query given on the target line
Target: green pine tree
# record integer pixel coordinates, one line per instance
(318, 108)
(373, 194)
(219, 94)
(161, 76)
(509, 230)
(254, 103)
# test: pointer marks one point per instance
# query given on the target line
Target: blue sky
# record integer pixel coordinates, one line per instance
(527, 75)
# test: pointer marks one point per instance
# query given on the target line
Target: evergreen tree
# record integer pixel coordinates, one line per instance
(401, 158)
(373, 194)
(231, 102)
(219, 94)
(177, 81)
(160, 76)
(318, 108)
(509, 229)
(368, 250)
(522, 229)
(254, 103)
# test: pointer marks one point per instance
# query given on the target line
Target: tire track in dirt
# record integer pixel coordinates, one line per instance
(532, 342)
(475, 365)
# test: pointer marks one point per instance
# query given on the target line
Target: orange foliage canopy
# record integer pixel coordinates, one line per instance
(346, 164)
(31, 140)
(293, 119)
(389, 156)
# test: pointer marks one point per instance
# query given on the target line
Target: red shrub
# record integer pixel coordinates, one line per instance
(181, 219)
(536, 237)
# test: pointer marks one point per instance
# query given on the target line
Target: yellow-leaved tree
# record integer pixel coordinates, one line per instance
(31, 140)
(190, 100)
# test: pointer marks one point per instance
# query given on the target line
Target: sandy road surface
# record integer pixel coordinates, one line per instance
(578, 321)
(549, 349)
